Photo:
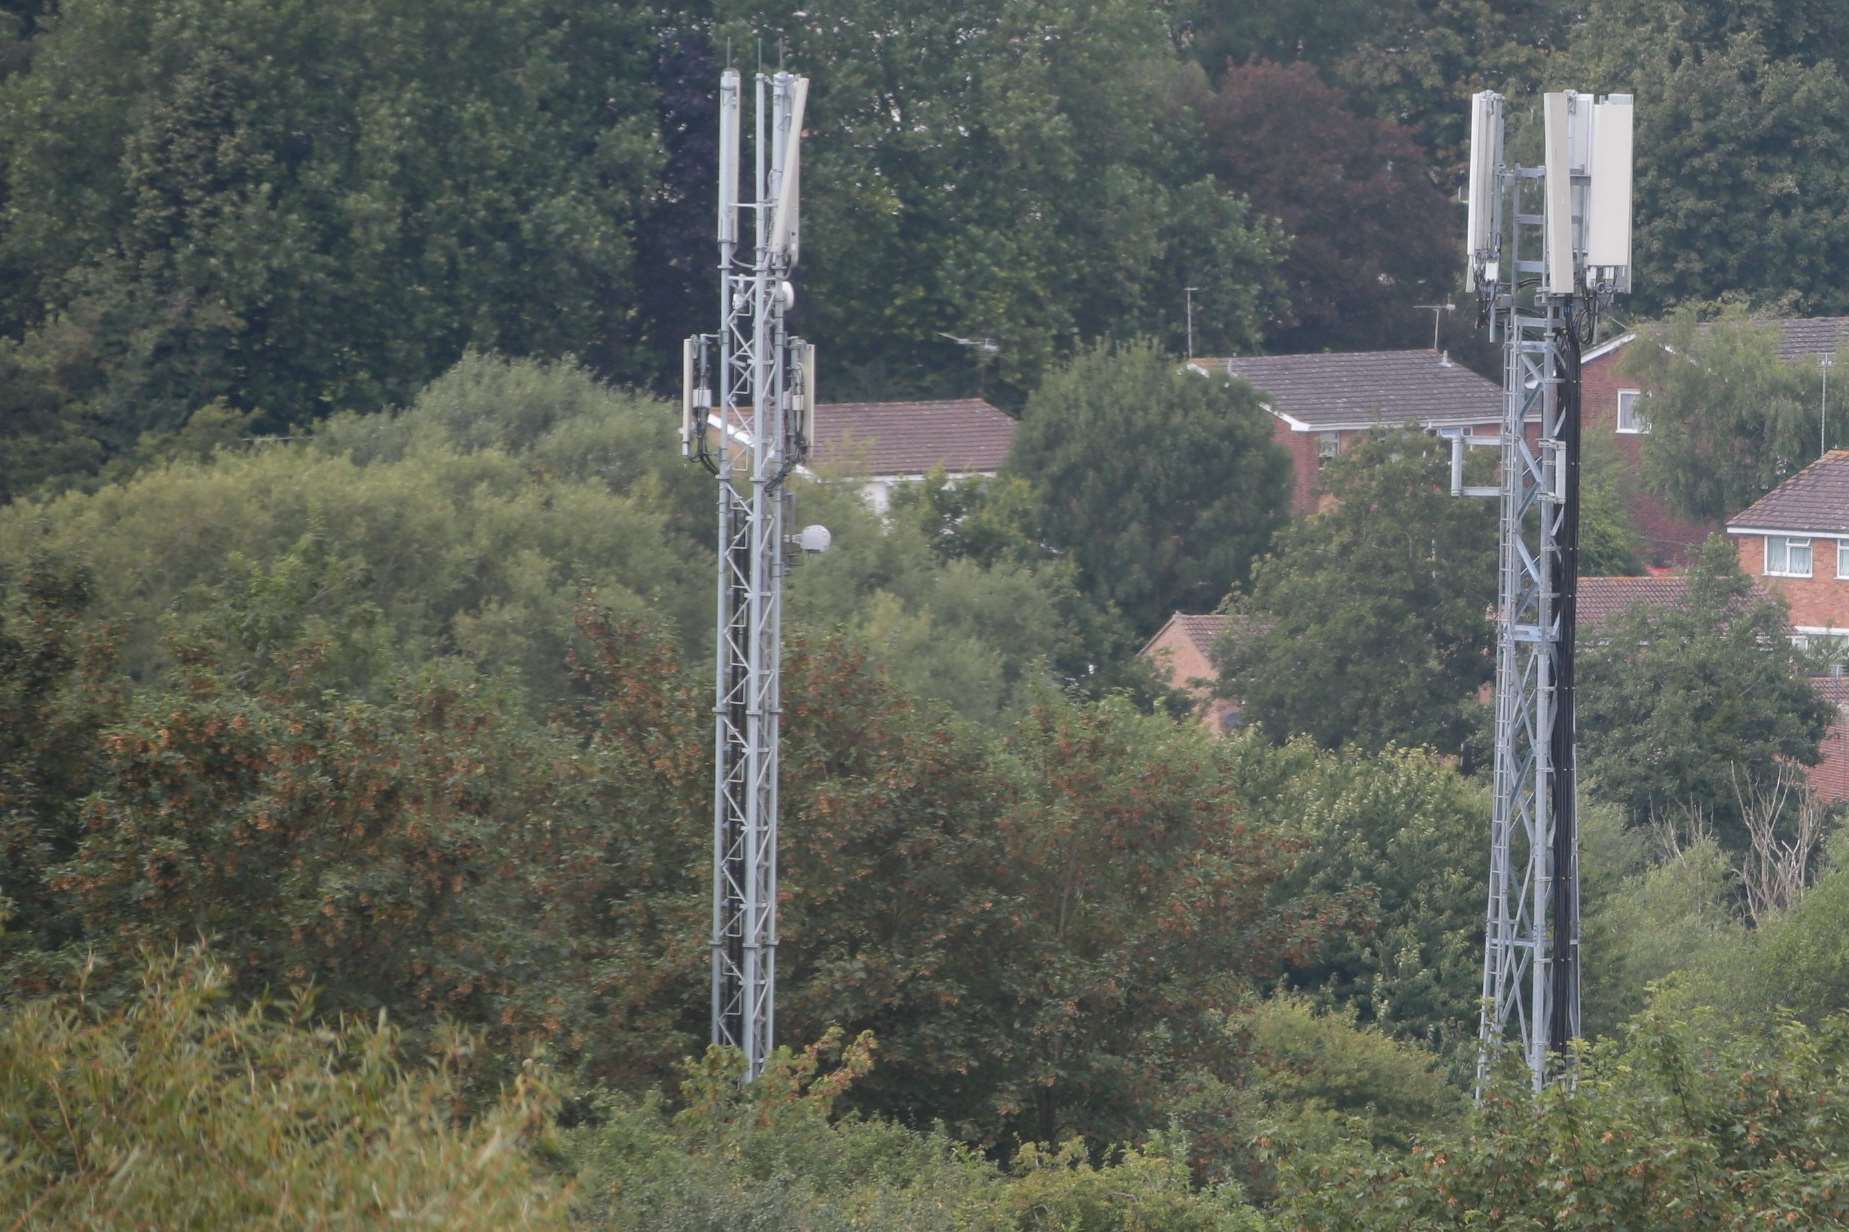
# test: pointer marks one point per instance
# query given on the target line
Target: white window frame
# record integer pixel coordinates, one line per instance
(1328, 445)
(1787, 543)
(1639, 422)
(1842, 558)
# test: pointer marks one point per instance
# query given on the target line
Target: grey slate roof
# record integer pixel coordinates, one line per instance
(1799, 338)
(1816, 499)
(1802, 336)
(1363, 389)
(962, 435)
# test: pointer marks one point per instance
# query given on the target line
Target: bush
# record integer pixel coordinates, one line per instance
(180, 1111)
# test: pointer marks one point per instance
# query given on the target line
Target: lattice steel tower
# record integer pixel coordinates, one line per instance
(751, 437)
(1548, 246)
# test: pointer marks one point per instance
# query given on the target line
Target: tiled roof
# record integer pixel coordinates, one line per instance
(1798, 337)
(1815, 499)
(1359, 389)
(1206, 628)
(1601, 598)
(1833, 689)
(1802, 336)
(1203, 631)
(962, 435)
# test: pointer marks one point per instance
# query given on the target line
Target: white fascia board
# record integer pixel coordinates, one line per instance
(1369, 425)
(1296, 425)
(1605, 348)
(1787, 533)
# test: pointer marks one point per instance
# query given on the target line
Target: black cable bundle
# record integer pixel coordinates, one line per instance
(1565, 810)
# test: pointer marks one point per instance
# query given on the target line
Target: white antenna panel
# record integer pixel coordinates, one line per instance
(690, 350)
(728, 156)
(785, 233)
(1485, 158)
(1557, 123)
(805, 413)
(1608, 201)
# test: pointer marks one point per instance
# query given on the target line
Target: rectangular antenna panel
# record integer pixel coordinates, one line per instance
(805, 408)
(1486, 127)
(1557, 124)
(1608, 204)
(690, 350)
(785, 233)
(728, 156)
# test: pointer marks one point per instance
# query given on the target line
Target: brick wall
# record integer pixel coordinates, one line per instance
(1306, 460)
(1668, 537)
(1301, 446)
(1820, 601)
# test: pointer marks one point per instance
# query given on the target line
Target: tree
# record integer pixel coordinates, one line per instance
(189, 216)
(1141, 916)
(1609, 545)
(1742, 171)
(1676, 1126)
(1677, 705)
(1015, 170)
(1394, 841)
(1369, 622)
(1371, 235)
(1729, 419)
(1163, 487)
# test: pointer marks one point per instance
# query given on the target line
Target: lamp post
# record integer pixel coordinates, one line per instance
(1824, 364)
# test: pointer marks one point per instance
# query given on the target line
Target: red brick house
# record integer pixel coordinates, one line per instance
(885, 444)
(1321, 402)
(1611, 406)
(1795, 539)
(1183, 652)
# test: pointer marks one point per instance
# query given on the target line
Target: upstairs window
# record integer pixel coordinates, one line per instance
(1842, 558)
(1789, 556)
(1328, 444)
(1631, 421)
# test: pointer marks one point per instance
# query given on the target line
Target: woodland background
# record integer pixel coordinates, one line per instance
(354, 601)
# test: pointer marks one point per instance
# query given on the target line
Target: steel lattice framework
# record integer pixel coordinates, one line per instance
(1531, 949)
(764, 378)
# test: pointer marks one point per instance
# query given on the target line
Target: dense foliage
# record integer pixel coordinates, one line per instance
(1368, 623)
(1162, 486)
(1693, 708)
(353, 628)
(182, 1108)
(1729, 419)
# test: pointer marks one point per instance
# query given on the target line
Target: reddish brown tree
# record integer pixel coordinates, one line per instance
(1371, 232)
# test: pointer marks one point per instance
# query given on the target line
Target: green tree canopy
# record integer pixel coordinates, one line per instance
(1678, 704)
(1162, 486)
(1729, 419)
(1675, 1126)
(1021, 170)
(1742, 171)
(302, 208)
(1368, 623)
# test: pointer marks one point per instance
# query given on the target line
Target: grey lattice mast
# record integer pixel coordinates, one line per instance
(751, 437)
(1548, 246)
